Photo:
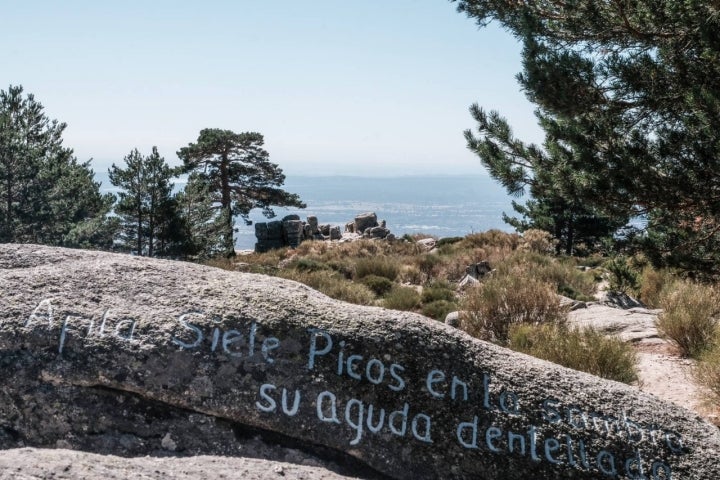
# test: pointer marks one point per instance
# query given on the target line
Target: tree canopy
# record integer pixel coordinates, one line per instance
(239, 177)
(146, 204)
(46, 195)
(628, 94)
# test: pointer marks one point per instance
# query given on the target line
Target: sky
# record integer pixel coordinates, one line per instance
(337, 87)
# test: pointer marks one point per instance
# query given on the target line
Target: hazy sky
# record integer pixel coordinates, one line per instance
(336, 86)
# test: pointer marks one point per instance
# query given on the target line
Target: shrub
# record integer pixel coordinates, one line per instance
(438, 291)
(379, 285)
(381, 265)
(539, 241)
(258, 261)
(344, 267)
(448, 241)
(688, 317)
(438, 309)
(493, 238)
(349, 292)
(333, 285)
(707, 372)
(309, 265)
(652, 284)
(493, 306)
(402, 298)
(429, 264)
(312, 247)
(622, 277)
(453, 266)
(592, 261)
(561, 273)
(411, 274)
(586, 350)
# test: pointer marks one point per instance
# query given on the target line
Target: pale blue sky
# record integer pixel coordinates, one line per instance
(336, 86)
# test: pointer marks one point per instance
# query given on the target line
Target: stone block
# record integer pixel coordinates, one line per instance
(365, 221)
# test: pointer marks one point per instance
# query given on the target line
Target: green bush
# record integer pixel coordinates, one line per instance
(493, 306)
(438, 309)
(622, 277)
(344, 267)
(402, 298)
(379, 285)
(349, 292)
(586, 350)
(689, 317)
(381, 265)
(438, 291)
(309, 265)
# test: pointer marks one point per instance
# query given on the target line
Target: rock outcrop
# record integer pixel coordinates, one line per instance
(291, 231)
(132, 356)
(42, 464)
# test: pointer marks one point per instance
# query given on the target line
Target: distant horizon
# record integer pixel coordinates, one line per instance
(481, 174)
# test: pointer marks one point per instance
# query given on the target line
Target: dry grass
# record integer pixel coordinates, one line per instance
(707, 372)
(380, 266)
(652, 284)
(689, 317)
(538, 241)
(561, 273)
(333, 285)
(494, 305)
(586, 350)
(493, 238)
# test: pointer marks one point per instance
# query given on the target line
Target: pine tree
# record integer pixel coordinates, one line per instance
(146, 205)
(629, 93)
(239, 175)
(202, 227)
(556, 204)
(46, 195)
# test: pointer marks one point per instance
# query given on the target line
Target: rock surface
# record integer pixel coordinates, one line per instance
(131, 356)
(37, 464)
(630, 325)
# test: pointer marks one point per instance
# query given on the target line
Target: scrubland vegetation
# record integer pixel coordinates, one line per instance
(517, 305)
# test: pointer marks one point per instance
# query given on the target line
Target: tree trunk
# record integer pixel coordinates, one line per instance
(139, 234)
(151, 225)
(226, 206)
(8, 214)
(571, 235)
(558, 235)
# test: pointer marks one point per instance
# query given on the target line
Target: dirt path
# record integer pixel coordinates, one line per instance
(662, 371)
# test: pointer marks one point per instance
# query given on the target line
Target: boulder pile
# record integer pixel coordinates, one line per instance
(291, 231)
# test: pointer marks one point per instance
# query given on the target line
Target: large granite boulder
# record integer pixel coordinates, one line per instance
(43, 464)
(131, 356)
(365, 221)
(269, 236)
